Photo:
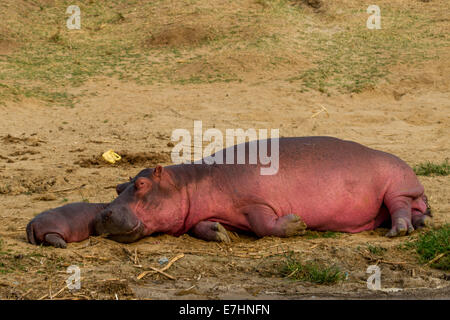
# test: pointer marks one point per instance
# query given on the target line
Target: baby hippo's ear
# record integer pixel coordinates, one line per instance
(121, 187)
(143, 185)
(158, 171)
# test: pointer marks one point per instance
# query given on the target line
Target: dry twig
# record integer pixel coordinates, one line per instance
(169, 264)
(319, 112)
(439, 256)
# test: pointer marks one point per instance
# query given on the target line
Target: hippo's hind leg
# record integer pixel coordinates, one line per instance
(264, 222)
(55, 240)
(210, 231)
(407, 211)
(401, 223)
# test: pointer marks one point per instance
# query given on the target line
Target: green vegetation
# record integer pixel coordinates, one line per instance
(351, 58)
(432, 169)
(406, 246)
(376, 250)
(309, 234)
(132, 41)
(4, 269)
(435, 244)
(311, 271)
(432, 244)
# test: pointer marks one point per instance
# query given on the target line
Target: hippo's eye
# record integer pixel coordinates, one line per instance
(140, 184)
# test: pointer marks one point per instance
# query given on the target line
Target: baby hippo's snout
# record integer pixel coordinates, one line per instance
(119, 225)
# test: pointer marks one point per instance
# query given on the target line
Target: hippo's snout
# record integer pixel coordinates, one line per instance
(119, 225)
(136, 233)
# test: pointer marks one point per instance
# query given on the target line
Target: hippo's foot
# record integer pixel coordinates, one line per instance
(210, 231)
(264, 222)
(54, 239)
(401, 224)
(420, 221)
(292, 225)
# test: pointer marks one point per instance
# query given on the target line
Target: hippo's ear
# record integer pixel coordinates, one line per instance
(121, 187)
(143, 184)
(157, 172)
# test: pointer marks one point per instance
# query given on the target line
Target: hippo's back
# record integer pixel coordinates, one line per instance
(310, 156)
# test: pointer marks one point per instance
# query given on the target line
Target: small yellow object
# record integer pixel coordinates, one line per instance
(111, 156)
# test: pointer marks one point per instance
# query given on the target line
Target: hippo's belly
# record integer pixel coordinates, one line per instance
(335, 199)
(352, 219)
(337, 204)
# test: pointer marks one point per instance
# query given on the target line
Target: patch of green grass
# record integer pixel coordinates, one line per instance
(376, 250)
(434, 243)
(311, 271)
(309, 234)
(210, 78)
(408, 245)
(345, 55)
(353, 58)
(4, 269)
(35, 255)
(8, 262)
(52, 58)
(17, 91)
(3, 251)
(432, 169)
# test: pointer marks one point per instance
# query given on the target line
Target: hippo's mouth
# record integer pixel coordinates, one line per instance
(136, 227)
(130, 236)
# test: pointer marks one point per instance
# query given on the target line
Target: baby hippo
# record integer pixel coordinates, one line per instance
(76, 222)
(70, 223)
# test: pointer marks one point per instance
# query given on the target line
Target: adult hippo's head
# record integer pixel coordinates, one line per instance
(148, 203)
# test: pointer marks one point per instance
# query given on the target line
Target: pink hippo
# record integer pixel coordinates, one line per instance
(321, 183)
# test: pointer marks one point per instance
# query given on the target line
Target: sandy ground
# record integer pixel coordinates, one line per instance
(48, 159)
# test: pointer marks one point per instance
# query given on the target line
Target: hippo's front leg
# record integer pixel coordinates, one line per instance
(55, 240)
(210, 231)
(264, 222)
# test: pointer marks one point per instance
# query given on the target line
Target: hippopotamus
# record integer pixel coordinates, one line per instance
(322, 183)
(70, 223)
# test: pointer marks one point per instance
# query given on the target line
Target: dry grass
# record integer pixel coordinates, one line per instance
(327, 49)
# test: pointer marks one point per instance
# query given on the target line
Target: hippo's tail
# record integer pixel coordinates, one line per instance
(428, 211)
(30, 233)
